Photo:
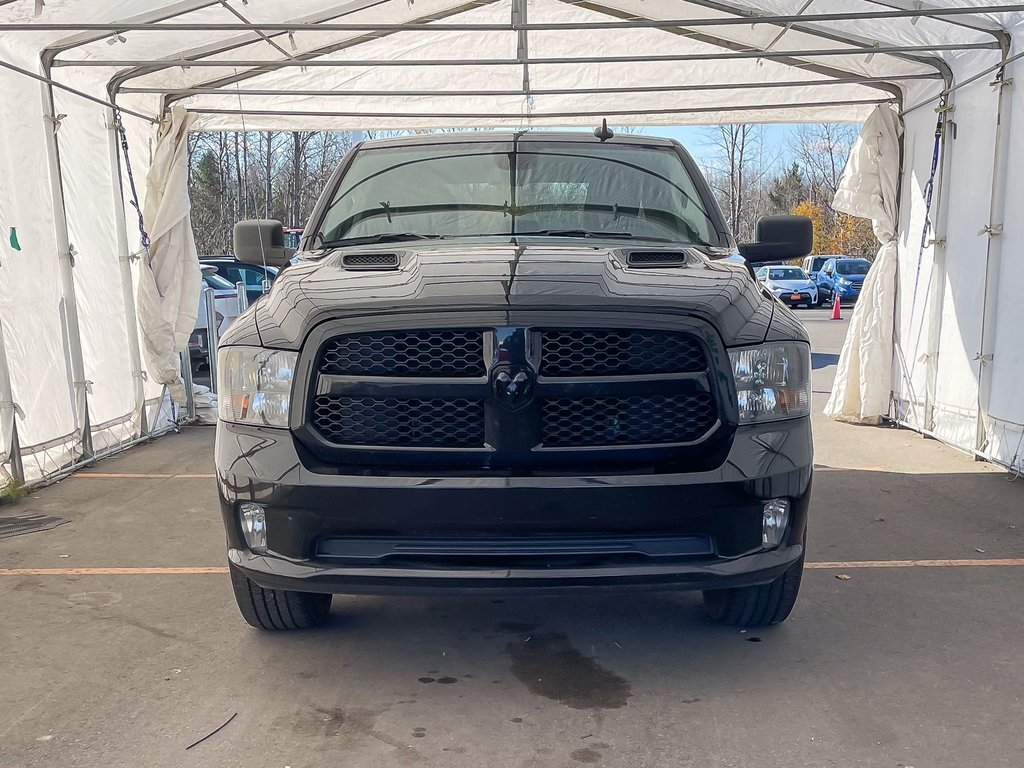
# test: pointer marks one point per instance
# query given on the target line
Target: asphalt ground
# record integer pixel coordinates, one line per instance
(121, 643)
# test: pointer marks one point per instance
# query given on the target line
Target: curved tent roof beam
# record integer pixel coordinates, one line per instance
(935, 62)
(796, 62)
(968, 22)
(193, 55)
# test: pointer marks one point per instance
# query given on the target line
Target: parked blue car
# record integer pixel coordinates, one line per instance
(842, 276)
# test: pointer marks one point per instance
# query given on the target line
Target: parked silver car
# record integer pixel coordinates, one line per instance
(791, 285)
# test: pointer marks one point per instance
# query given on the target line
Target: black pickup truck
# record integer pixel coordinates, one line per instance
(515, 362)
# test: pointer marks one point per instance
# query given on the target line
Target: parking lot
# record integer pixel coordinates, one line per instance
(123, 646)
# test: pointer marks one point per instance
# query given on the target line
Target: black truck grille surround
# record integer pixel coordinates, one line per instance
(445, 391)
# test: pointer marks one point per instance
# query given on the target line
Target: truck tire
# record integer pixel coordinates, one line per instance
(277, 609)
(757, 606)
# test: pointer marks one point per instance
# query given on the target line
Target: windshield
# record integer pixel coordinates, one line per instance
(858, 267)
(556, 189)
(787, 273)
(216, 281)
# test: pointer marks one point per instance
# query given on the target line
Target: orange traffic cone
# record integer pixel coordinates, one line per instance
(836, 312)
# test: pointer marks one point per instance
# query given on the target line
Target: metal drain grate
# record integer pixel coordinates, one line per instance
(15, 525)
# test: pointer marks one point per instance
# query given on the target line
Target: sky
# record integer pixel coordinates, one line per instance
(695, 138)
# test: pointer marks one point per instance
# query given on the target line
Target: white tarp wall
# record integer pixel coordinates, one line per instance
(948, 344)
(710, 61)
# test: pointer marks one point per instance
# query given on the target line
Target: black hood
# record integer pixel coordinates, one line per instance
(503, 278)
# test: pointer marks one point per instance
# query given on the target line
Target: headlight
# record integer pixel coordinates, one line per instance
(254, 385)
(773, 381)
(843, 281)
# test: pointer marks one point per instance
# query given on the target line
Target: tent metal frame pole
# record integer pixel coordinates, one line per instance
(541, 115)
(127, 283)
(223, 46)
(798, 24)
(972, 79)
(47, 80)
(155, 65)
(993, 255)
(680, 88)
(8, 404)
(726, 21)
(65, 259)
(975, 23)
(938, 282)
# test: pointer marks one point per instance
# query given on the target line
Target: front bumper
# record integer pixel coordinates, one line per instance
(805, 296)
(313, 516)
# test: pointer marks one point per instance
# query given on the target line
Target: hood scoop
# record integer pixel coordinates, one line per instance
(370, 261)
(654, 259)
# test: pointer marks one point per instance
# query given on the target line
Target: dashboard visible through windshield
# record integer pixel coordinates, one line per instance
(504, 189)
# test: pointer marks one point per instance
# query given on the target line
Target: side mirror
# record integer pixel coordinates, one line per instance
(260, 241)
(780, 238)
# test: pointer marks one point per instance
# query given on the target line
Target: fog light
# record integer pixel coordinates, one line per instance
(776, 517)
(254, 525)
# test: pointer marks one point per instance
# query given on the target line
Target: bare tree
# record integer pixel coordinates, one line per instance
(736, 172)
(822, 150)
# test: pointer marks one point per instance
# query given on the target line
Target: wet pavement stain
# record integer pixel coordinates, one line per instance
(585, 755)
(551, 667)
(426, 679)
(447, 680)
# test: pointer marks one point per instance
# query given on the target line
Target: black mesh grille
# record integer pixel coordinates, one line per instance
(370, 260)
(583, 352)
(637, 420)
(656, 258)
(394, 422)
(440, 352)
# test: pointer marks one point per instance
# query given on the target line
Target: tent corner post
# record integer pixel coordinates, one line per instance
(65, 259)
(993, 230)
(8, 405)
(936, 299)
(127, 283)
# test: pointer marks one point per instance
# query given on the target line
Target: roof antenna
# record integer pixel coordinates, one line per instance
(604, 132)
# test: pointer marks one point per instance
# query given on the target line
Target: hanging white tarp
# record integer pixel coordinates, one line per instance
(169, 278)
(868, 189)
(934, 344)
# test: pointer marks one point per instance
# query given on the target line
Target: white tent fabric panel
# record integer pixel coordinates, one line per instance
(31, 301)
(101, 311)
(1005, 422)
(956, 391)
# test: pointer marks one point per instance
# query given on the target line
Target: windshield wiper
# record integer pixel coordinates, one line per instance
(586, 233)
(384, 237)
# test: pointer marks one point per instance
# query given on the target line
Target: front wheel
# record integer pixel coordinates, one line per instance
(756, 606)
(277, 609)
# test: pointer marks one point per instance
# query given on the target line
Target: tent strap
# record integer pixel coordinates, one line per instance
(929, 188)
(119, 126)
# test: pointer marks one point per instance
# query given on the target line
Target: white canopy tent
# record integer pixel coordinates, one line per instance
(80, 371)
